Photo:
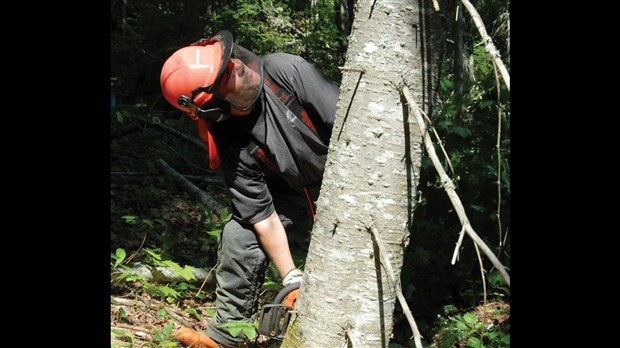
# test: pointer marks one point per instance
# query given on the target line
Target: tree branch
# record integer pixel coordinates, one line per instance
(190, 188)
(499, 159)
(488, 43)
(449, 187)
(121, 131)
(169, 130)
(417, 338)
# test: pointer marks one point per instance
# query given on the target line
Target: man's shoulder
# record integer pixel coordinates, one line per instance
(280, 60)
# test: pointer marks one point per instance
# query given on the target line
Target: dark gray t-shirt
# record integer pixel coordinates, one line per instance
(298, 152)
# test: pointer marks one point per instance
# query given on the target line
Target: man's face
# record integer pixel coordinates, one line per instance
(240, 86)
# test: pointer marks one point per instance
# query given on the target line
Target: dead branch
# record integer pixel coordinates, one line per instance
(166, 274)
(190, 188)
(169, 130)
(178, 317)
(172, 311)
(215, 180)
(137, 330)
(417, 338)
(121, 131)
(488, 42)
(439, 142)
(499, 158)
(449, 187)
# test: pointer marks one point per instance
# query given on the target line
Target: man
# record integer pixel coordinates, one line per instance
(266, 122)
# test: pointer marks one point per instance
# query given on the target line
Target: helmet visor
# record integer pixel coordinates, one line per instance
(242, 79)
(240, 76)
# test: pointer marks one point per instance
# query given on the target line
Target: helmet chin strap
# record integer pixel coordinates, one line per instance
(218, 112)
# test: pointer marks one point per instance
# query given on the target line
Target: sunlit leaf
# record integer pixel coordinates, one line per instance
(474, 342)
(470, 318)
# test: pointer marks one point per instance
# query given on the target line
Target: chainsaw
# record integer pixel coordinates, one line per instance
(275, 317)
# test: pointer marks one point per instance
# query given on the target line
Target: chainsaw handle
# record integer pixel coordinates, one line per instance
(285, 291)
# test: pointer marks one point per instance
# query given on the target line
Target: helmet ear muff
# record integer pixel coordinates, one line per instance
(215, 110)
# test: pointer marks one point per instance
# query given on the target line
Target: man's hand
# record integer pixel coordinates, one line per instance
(293, 276)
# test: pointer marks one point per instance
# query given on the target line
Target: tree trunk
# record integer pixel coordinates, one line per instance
(372, 171)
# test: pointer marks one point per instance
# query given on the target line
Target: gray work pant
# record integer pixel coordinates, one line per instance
(239, 273)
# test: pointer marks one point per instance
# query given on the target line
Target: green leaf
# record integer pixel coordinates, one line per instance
(210, 312)
(168, 344)
(235, 327)
(271, 285)
(448, 309)
(120, 253)
(215, 233)
(463, 132)
(470, 318)
(235, 330)
(161, 312)
(476, 207)
(119, 117)
(185, 272)
(461, 326)
(225, 215)
(486, 104)
(121, 333)
(130, 219)
(120, 256)
(153, 254)
(474, 342)
(192, 311)
(448, 341)
(249, 332)
(446, 84)
(168, 329)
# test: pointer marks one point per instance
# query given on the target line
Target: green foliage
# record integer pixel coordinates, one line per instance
(193, 312)
(124, 336)
(249, 330)
(170, 292)
(145, 33)
(165, 337)
(469, 330)
(118, 257)
(156, 259)
(213, 225)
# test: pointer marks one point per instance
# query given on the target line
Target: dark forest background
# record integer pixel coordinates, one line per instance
(153, 220)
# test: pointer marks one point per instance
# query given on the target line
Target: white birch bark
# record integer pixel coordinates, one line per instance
(372, 171)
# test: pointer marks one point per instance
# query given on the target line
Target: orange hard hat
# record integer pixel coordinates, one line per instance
(192, 77)
(193, 70)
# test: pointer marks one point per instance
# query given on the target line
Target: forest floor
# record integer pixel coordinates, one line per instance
(151, 217)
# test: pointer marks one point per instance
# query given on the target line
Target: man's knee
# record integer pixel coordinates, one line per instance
(237, 239)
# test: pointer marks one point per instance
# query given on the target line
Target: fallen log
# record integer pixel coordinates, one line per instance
(196, 193)
(167, 275)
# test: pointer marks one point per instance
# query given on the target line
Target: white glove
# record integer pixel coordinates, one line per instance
(293, 276)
